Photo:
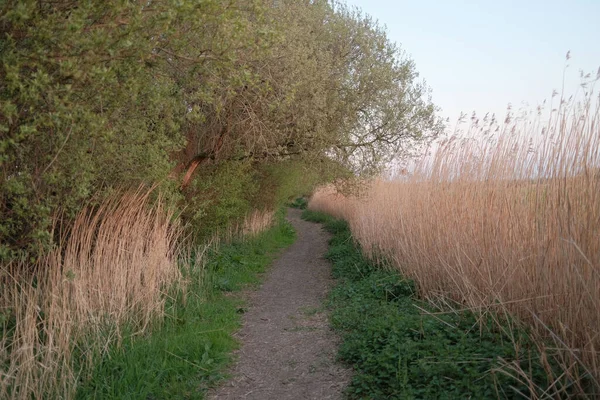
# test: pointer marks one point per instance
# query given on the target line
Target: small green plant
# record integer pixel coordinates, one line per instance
(319, 217)
(300, 202)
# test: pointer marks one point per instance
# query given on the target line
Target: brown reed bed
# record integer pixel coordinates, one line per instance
(510, 224)
(111, 270)
(108, 277)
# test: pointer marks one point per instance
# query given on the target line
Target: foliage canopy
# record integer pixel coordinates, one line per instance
(98, 95)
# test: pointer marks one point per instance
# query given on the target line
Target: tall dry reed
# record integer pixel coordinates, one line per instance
(255, 222)
(508, 224)
(110, 270)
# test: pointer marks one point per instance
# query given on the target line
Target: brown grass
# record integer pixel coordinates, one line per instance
(254, 222)
(111, 270)
(511, 224)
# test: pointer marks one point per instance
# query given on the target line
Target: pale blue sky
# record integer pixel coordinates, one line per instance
(481, 55)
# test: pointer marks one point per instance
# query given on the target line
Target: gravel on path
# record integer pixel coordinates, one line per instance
(287, 348)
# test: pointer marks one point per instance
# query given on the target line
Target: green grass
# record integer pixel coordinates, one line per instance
(191, 350)
(399, 352)
(300, 203)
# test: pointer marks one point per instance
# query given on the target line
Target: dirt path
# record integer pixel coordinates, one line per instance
(288, 350)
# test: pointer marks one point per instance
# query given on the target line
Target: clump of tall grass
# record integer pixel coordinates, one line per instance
(506, 224)
(256, 222)
(110, 271)
(253, 223)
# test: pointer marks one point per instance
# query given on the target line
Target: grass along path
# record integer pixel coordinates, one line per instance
(191, 351)
(400, 350)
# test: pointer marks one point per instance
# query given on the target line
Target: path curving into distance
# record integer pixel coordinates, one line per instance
(288, 350)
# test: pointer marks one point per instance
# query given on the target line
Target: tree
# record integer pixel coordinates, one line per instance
(330, 85)
(83, 109)
(99, 95)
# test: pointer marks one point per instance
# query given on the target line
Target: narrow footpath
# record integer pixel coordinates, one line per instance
(288, 350)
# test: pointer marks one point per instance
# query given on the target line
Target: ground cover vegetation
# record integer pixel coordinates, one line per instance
(186, 355)
(132, 313)
(503, 223)
(401, 347)
(134, 131)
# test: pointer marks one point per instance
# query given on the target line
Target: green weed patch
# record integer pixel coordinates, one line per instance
(189, 352)
(300, 203)
(400, 352)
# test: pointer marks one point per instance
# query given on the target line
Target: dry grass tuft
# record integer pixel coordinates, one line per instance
(111, 270)
(511, 224)
(256, 222)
